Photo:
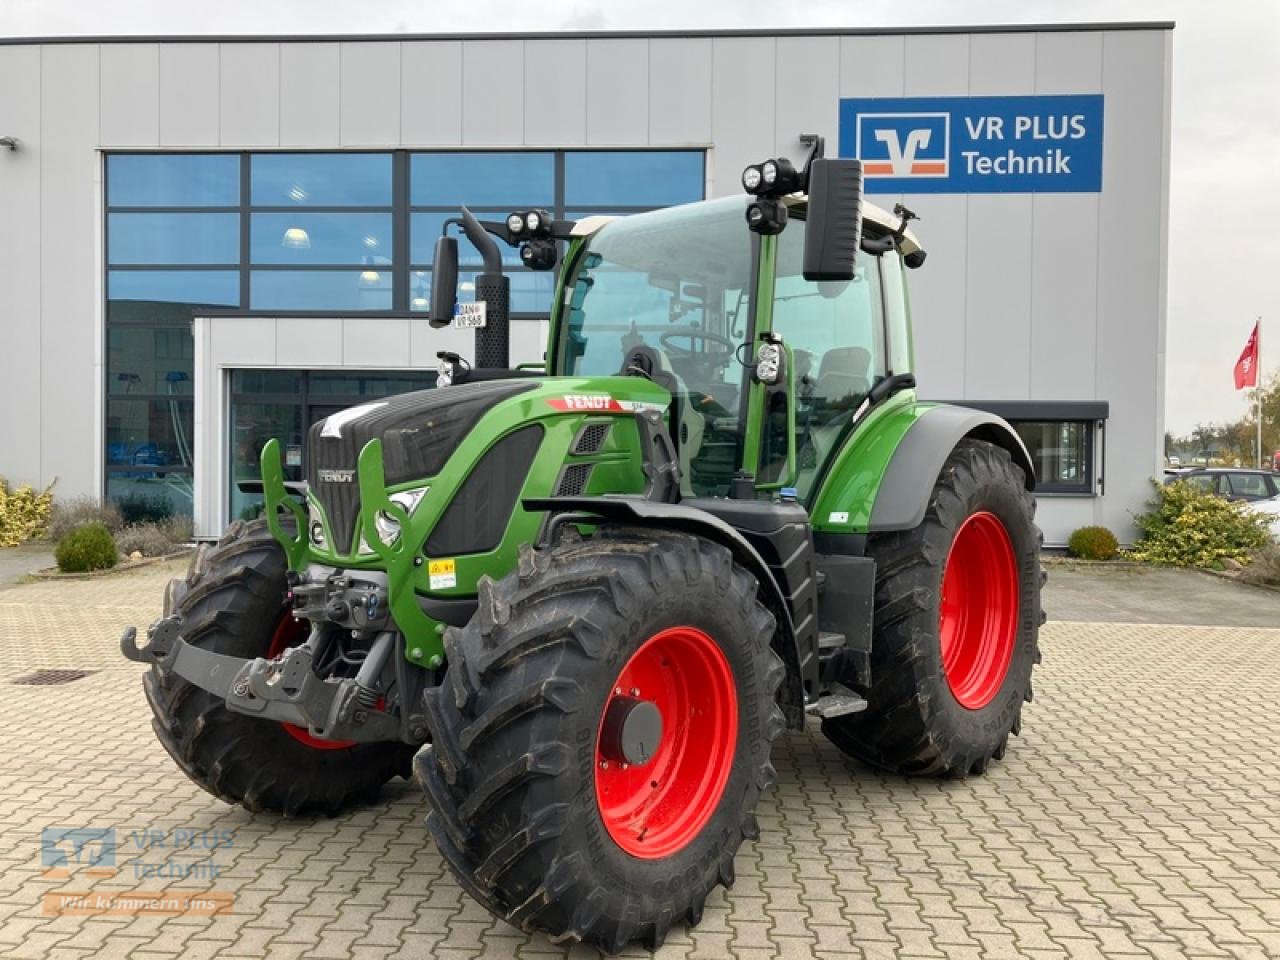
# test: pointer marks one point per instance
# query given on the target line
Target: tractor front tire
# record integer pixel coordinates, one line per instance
(957, 620)
(603, 734)
(232, 601)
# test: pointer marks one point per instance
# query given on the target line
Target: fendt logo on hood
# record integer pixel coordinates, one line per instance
(600, 403)
(337, 476)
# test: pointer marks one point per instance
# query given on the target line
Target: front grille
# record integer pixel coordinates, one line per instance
(574, 479)
(591, 438)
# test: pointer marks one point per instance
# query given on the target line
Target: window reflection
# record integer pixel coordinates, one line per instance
(320, 179)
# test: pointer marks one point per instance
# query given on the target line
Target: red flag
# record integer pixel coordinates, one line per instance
(1246, 371)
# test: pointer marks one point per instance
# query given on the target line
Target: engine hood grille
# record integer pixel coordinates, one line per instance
(418, 430)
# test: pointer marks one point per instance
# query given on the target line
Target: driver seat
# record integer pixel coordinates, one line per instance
(843, 374)
(653, 363)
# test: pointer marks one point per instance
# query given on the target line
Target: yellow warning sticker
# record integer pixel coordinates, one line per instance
(443, 574)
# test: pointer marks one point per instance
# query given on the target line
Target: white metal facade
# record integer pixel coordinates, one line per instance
(1054, 297)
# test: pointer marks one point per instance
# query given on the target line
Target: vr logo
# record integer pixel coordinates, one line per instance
(904, 144)
(68, 847)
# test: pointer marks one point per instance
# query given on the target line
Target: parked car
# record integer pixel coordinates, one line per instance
(1234, 483)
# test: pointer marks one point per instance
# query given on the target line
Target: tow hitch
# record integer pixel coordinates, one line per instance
(285, 689)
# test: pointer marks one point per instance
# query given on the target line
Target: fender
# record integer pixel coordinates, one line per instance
(638, 511)
(883, 477)
(917, 461)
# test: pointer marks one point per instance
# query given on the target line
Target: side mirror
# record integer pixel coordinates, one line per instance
(444, 282)
(833, 224)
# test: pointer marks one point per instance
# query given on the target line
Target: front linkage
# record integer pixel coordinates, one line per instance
(370, 606)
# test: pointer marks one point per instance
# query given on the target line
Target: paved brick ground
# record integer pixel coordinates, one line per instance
(1138, 815)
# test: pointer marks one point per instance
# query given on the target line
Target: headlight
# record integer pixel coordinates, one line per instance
(769, 173)
(387, 526)
(533, 221)
(751, 179)
(768, 362)
(515, 223)
(317, 533)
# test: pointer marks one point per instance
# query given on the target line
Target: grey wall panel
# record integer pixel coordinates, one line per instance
(555, 93)
(375, 341)
(938, 296)
(1068, 62)
(1131, 261)
(1002, 64)
(492, 105)
(807, 91)
(998, 298)
(249, 94)
(1064, 297)
(129, 96)
(618, 92)
(937, 66)
(189, 82)
(308, 341)
(370, 102)
(679, 92)
(742, 127)
(309, 97)
(872, 66)
(70, 205)
(246, 341)
(20, 246)
(431, 93)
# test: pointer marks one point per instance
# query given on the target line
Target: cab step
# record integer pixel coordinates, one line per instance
(838, 704)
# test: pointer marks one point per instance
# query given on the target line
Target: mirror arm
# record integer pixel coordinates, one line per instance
(481, 240)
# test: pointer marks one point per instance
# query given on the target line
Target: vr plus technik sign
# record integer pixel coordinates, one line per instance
(1050, 144)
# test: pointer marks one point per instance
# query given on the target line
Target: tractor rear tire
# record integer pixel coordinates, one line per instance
(554, 686)
(957, 620)
(232, 601)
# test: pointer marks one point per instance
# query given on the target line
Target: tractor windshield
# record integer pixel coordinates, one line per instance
(667, 292)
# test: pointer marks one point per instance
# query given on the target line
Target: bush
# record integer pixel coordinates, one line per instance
(23, 513)
(1093, 543)
(76, 512)
(86, 548)
(1189, 528)
(143, 509)
(154, 539)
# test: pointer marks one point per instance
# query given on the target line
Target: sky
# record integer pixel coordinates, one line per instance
(1224, 221)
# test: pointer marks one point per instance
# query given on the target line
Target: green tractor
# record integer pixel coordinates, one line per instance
(581, 601)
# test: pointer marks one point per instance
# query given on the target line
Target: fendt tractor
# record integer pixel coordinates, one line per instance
(580, 601)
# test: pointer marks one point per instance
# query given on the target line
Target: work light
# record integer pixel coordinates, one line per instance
(769, 361)
(515, 224)
(751, 178)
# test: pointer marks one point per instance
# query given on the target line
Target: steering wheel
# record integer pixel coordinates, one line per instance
(692, 334)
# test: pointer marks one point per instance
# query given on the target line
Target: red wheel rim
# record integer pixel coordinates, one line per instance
(656, 808)
(978, 614)
(289, 633)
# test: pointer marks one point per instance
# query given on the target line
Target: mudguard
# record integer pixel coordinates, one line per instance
(675, 516)
(883, 477)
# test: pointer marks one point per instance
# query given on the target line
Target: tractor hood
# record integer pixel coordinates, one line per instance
(421, 431)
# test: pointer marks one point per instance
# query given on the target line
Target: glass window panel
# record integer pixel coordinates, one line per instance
(143, 497)
(173, 238)
(149, 438)
(1059, 452)
(137, 312)
(424, 231)
(531, 291)
(173, 180)
(1251, 485)
(252, 425)
(320, 289)
(321, 238)
(267, 381)
(149, 360)
(482, 179)
(645, 178)
(218, 288)
(360, 384)
(320, 179)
